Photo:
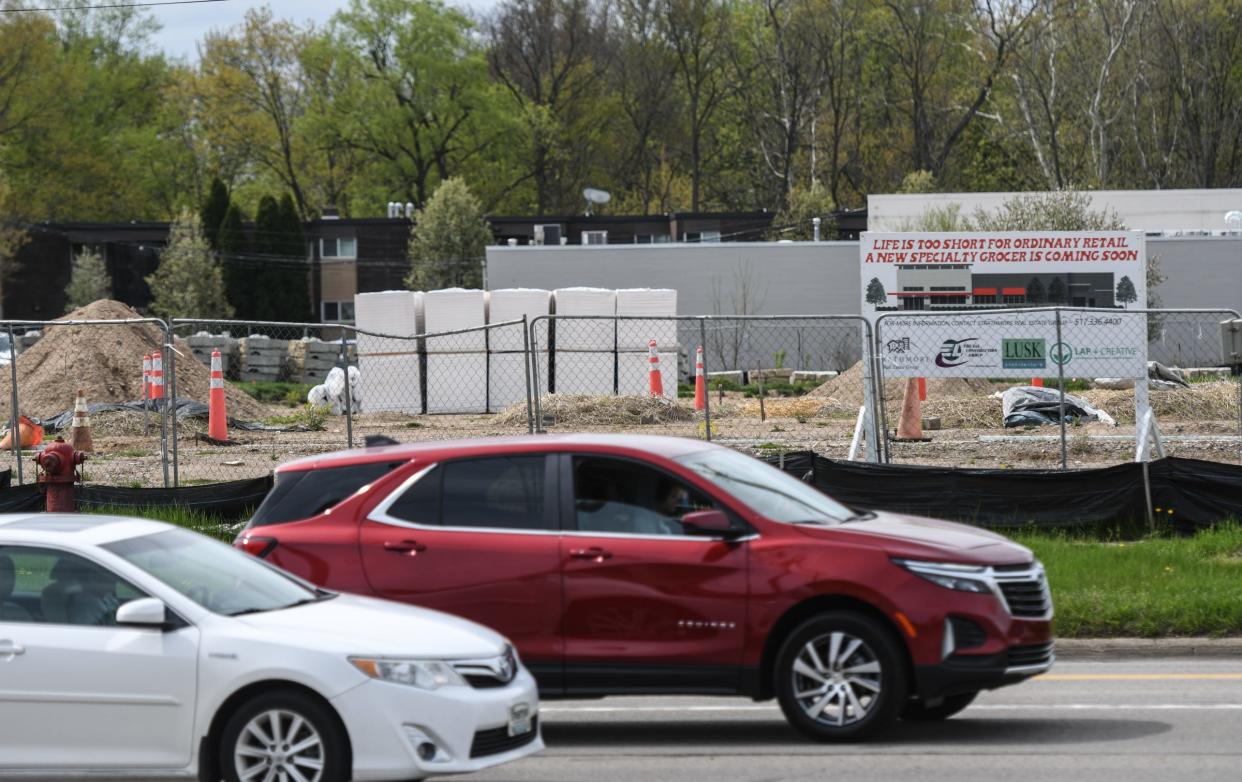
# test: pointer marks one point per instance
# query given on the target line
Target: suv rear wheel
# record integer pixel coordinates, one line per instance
(840, 677)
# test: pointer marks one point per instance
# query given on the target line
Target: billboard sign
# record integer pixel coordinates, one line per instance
(952, 303)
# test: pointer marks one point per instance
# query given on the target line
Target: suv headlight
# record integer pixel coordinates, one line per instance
(424, 674)
(963, 578)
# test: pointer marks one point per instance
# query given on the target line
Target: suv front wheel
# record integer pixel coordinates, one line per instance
(840, 677)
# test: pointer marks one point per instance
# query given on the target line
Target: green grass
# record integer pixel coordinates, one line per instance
(181, 516)
(1149, 588)
(313, 417)
(273, 392)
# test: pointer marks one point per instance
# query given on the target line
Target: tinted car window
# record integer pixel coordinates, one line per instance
(55, 587)
(502, 492)
(305, 493)
(615, 495)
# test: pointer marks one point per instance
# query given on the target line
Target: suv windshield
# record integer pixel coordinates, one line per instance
(767, 490)
(216, 576)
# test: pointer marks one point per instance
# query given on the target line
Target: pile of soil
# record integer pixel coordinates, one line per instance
(584, 410)
(847, 388)
(105, 361)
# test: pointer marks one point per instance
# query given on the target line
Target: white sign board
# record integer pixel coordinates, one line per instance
(908, 279)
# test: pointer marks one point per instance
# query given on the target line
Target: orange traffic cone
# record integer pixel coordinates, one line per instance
(157, 375)
(700, 382)
(217, 418)
(655, 382)
(922, 389)
(81, 433)
(910, 425)
(31, 434)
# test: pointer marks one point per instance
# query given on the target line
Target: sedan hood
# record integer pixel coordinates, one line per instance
(364, 626)
(922, 538)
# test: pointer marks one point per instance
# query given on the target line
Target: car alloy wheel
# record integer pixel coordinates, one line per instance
(839, 676)
(279, 746)
(836, 679)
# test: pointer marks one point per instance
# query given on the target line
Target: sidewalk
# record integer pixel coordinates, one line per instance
(1079, 649)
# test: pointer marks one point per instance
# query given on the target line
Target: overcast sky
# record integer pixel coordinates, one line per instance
(185, 25)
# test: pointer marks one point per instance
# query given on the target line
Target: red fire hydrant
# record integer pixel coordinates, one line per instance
(58, 474)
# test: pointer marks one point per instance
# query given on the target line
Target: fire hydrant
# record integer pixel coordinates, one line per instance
(58, 474)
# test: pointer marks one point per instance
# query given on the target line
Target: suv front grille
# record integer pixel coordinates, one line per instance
(1027, 597)
(498, 740)
(1035, 654)
(967, 634)
(483, 681)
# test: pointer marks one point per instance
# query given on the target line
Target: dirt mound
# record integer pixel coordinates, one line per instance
(847, 388)
(106, 361)
(583, 410)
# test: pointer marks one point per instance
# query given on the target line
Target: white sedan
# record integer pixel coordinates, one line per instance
(133, 648)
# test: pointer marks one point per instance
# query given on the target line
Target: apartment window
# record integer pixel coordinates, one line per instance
(595, 237)
(337, 311)
(338, 247)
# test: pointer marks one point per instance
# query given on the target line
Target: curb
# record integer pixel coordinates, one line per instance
(1078, 649)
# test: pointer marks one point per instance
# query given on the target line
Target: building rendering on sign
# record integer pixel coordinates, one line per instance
(949, 286)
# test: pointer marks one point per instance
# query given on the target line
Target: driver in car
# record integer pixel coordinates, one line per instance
(96, 604)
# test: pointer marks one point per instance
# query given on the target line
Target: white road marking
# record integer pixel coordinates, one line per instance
(977, 707)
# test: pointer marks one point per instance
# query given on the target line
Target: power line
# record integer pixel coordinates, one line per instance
(58, 9)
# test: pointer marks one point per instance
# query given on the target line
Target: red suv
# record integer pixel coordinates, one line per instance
(625, 565)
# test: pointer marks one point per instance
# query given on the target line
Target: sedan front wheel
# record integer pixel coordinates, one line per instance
(283, 737)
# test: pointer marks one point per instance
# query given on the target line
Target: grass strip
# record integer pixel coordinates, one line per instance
(178, 515)
(1150, 588)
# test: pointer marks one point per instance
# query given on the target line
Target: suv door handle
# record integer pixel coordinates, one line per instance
(404, 546)
(594, 552)
(9, 650)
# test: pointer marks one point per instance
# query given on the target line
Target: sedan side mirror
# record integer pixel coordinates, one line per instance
(709, 522)
(143, 612)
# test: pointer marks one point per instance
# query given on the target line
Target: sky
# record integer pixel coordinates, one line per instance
(185, 25)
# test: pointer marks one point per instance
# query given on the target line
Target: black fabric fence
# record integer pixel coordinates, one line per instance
(227, 501)
(1190, 494)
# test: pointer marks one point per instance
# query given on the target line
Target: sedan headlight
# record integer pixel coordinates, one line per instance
(424, 674)
(963, 578)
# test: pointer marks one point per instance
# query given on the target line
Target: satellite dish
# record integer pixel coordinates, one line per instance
(596, 196)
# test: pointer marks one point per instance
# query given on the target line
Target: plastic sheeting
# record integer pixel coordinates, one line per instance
(1200, 494)
(228, 501)
(1034, 405)
(185, 408)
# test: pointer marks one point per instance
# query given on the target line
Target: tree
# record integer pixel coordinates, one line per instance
(1126, 294)
(1034, 291)
(1062, 210)
(89, 280)
(794, 221)
(1056, 291)
(920, 181)
(237, 265)
(545, 54)
(449, 240)
(278, 270)
(214, 210)
(875, 292)
(189, 282)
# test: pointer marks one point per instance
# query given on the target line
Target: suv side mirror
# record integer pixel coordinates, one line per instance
(710, 522)
(143, 612)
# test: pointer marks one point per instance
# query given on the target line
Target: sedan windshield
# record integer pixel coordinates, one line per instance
(767, 490)
(216, 576)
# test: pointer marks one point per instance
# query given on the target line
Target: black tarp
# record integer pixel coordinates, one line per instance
(227, 501)
(1199, 493)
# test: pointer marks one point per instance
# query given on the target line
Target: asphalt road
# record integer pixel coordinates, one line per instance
(1160, 719)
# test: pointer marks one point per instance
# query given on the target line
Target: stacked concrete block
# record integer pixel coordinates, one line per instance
(263, 359)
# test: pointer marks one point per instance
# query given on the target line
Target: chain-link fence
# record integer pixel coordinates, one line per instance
(131, 423)
(298, 389)
(771, 383)
(1055, 387)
